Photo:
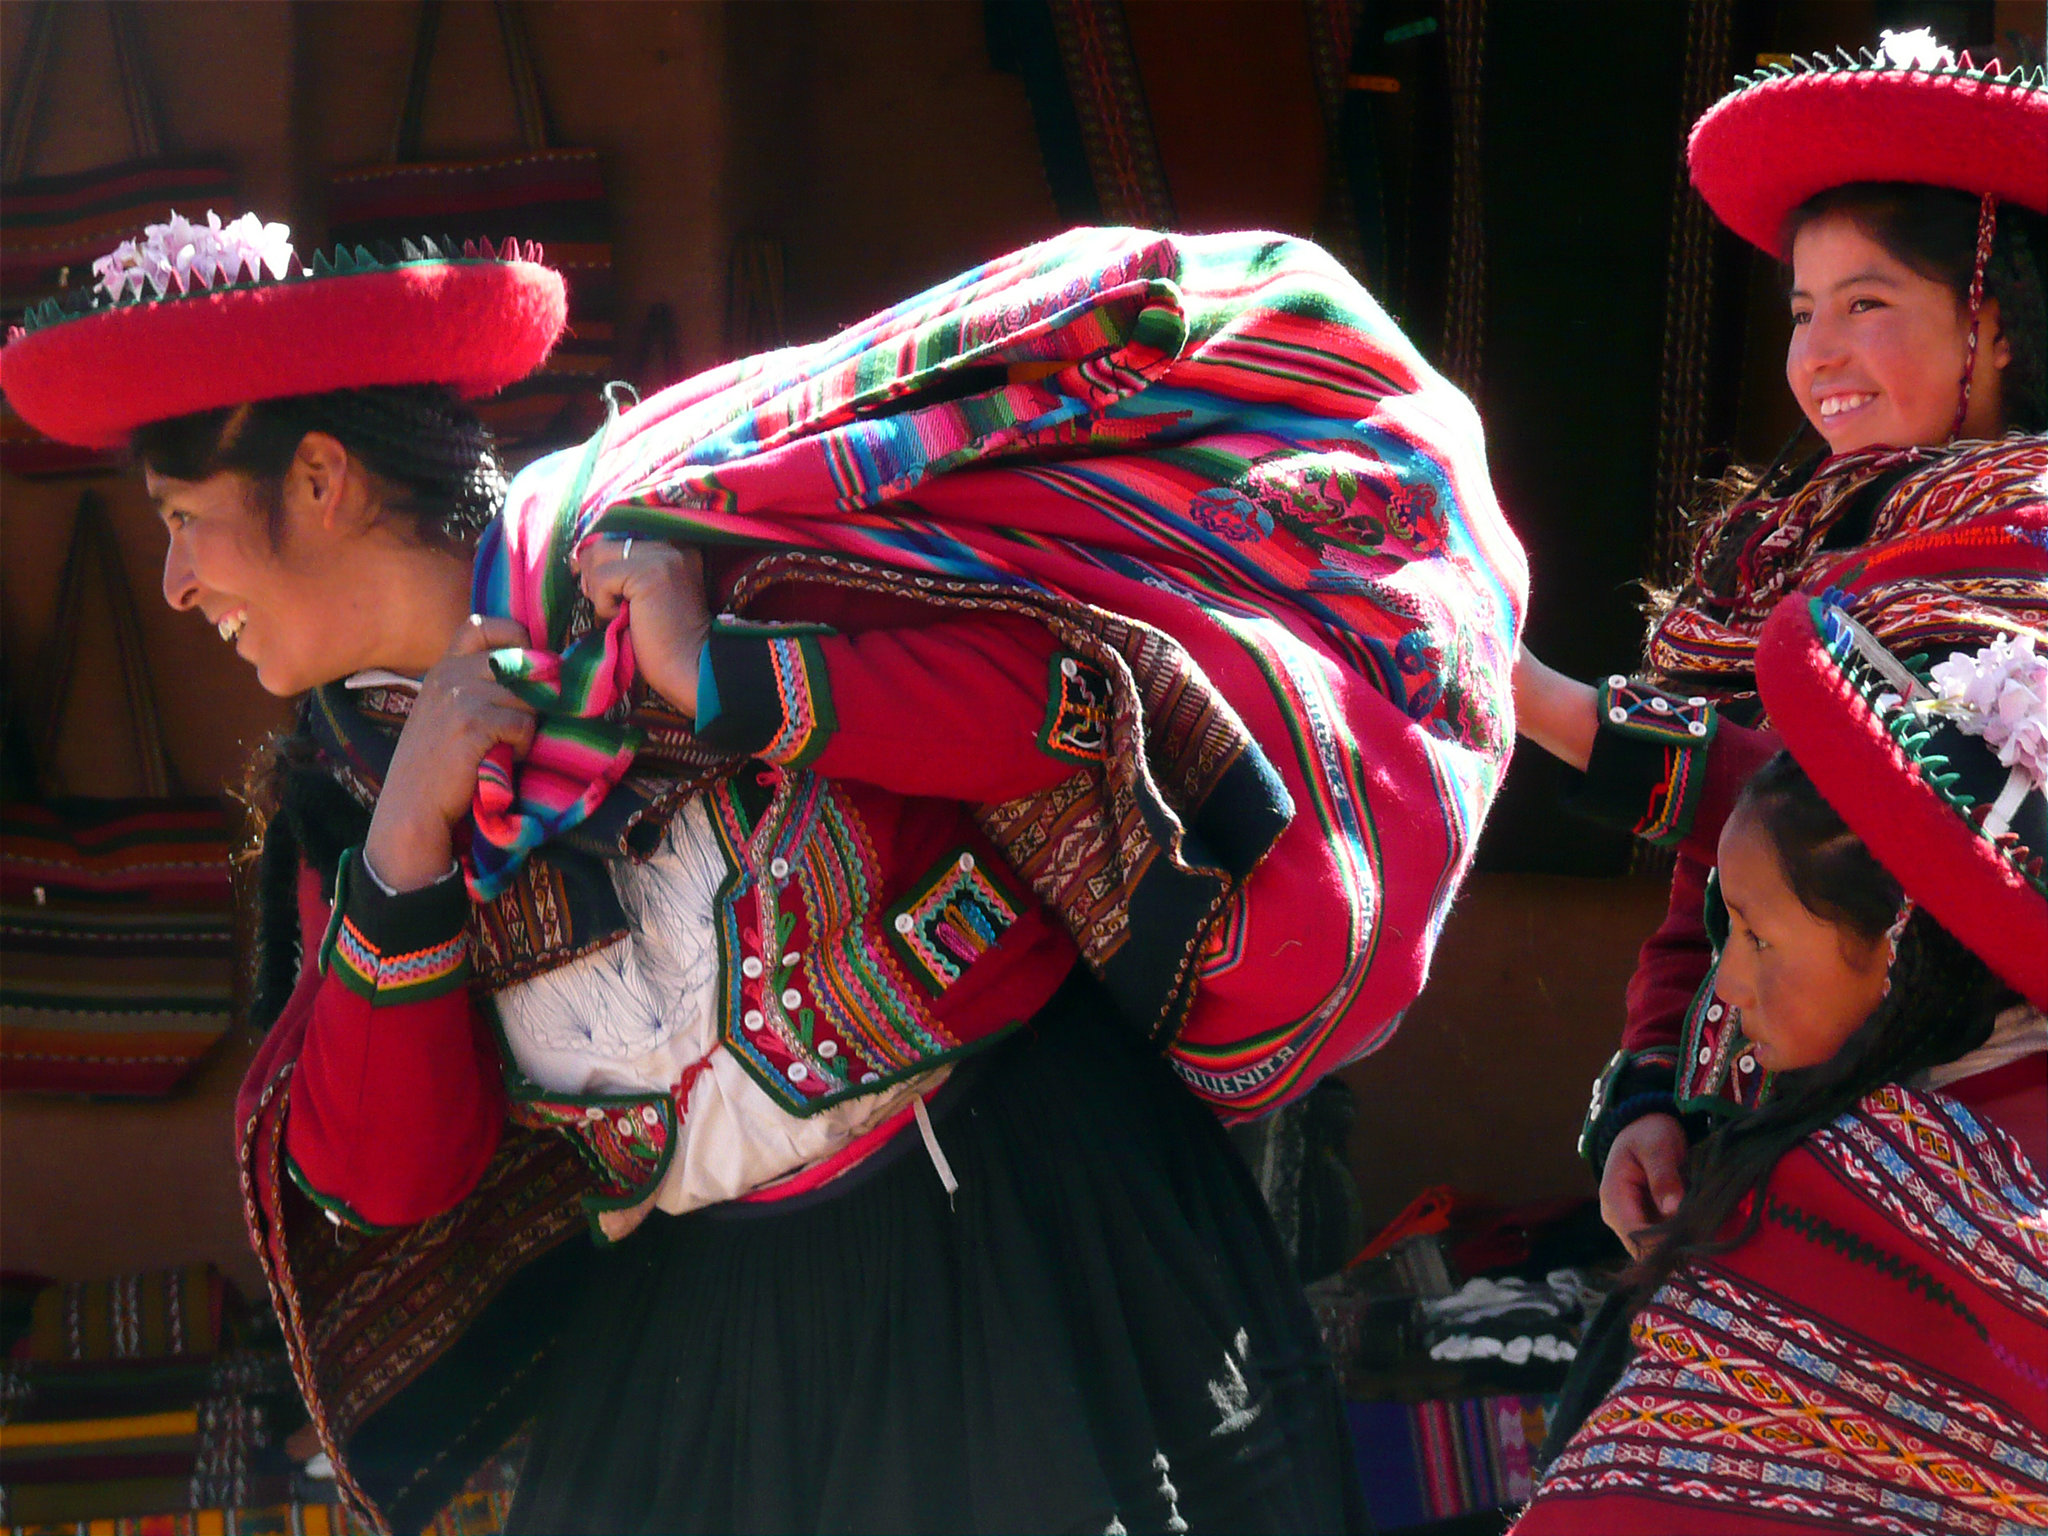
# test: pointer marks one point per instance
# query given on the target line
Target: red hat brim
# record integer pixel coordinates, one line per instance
(1759, 153)
(1970, 885)
(472, 325)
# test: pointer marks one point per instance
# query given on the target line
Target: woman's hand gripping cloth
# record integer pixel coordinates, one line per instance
(1260, 527)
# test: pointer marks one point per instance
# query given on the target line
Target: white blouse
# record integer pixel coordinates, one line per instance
(638, 1015)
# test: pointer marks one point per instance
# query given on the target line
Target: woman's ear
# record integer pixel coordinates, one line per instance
(324, 482)
(1994, 332)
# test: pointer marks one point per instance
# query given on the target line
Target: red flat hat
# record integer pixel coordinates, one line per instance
(1950, 805)
(92, 368)
(1908, 111)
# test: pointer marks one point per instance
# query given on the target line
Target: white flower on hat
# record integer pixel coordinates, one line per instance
(1918, 49)
(2001, 694)
(178, 252)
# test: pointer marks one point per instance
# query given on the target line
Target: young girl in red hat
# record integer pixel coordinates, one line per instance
(860, 925)
(1905, 188)
(1844, 1323)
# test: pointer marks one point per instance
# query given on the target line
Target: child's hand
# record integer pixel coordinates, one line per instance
(1645, 1177)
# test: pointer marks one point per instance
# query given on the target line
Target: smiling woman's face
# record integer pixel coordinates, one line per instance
(277, 604)
(337, 583)
(1877, 348)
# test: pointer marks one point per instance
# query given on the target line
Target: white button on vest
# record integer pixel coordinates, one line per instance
(751, 1018)
(1617, 714)
(751, 967)
(828, 1049)
(779, 868)
(904, 922)
(792, 998)
(966, 862)
(798, 1071)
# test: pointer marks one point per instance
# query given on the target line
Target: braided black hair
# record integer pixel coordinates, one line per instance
(1942, 1004)
(437, 462)
(1933, 230)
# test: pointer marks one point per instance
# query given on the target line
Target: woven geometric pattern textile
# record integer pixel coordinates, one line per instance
(1874, 1357)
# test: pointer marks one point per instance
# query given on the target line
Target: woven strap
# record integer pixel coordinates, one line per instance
(93, 544)
(26, 97)
(536, 128)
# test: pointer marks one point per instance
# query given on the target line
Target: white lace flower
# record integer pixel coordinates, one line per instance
(178, 252)
(1918, 49)
(2001, 694)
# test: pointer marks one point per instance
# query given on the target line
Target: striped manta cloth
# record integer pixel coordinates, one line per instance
(1220, 439)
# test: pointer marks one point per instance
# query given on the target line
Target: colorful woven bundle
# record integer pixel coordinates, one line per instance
(541, 194)
(468, 1514)
(132, 1407)
(57, 225)
(1222, 440)
(119, 919)
(1446, 1457)
(127, 1436)
(117, 916)
(153, 1315)
(272, 1507)
(552, 199)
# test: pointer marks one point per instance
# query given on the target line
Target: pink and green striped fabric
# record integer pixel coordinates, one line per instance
(1222, 437)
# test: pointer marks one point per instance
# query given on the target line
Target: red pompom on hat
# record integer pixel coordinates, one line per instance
(165, 336)
(1937, 769)
(1909, 110)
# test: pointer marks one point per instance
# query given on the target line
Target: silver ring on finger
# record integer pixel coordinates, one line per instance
(627, 552)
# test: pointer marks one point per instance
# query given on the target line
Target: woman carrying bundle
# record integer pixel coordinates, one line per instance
(844, 834)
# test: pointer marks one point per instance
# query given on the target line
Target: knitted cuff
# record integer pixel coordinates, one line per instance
(1634, 1084)
(1649, 763)
(401, 947)
(762, 692)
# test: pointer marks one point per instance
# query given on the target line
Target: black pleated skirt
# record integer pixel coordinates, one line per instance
(1100, 1332)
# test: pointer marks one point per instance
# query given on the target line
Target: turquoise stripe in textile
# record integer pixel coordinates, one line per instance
(1219, 439)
